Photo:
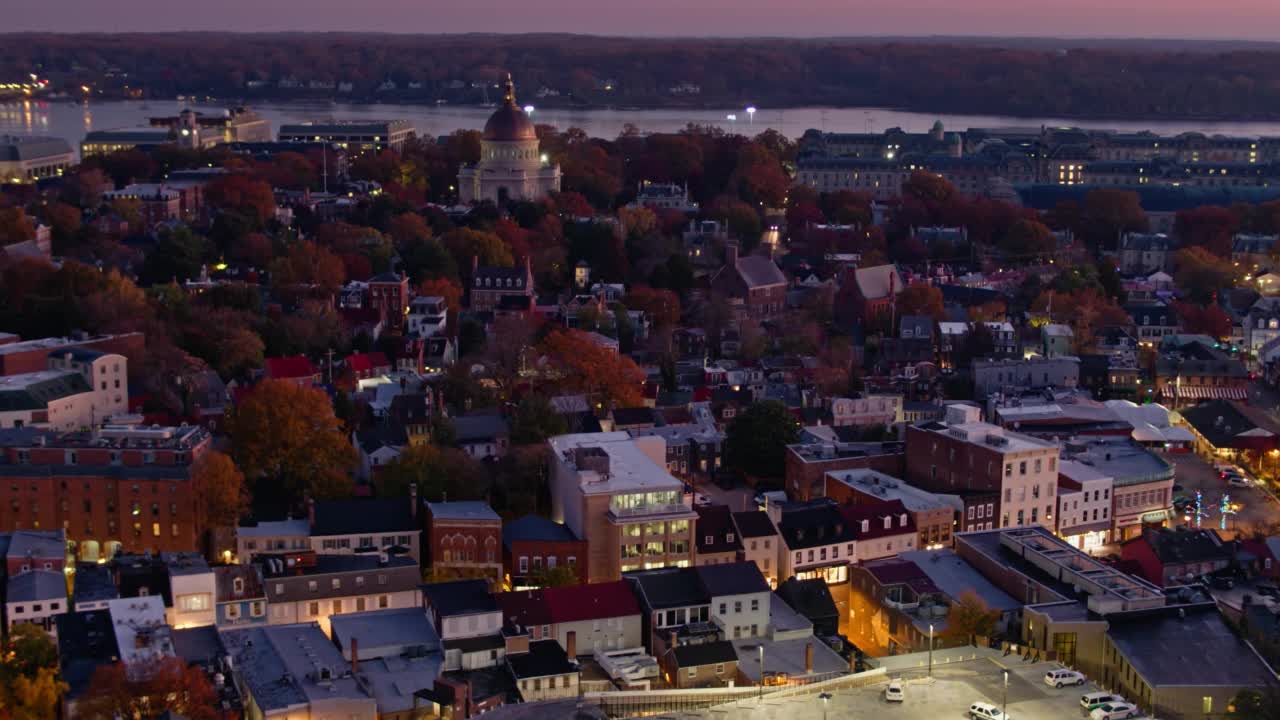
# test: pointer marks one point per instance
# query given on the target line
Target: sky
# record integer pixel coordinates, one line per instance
(1192, 19)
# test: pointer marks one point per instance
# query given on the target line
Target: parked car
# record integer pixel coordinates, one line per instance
(1114, 711)
(1089, 701)
(986, 711)
(700, 499)
(1058, 678)
(893, 692)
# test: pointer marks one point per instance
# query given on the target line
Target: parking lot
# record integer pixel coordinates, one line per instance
(946, 696)
(1257, 507)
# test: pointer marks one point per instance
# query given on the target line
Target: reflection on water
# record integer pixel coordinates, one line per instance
(72, 119)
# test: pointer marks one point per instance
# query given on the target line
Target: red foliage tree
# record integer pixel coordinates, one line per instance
(583, 365)
(169, 685)
(1209, 319)
(1209, 227)
(662, 306)
(242, 193)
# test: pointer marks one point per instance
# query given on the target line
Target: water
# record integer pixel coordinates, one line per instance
(71, 119)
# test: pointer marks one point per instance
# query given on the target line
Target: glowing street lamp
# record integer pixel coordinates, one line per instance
(528, 110)
(751, 114)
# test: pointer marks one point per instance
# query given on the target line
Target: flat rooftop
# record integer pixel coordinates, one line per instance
(630, 468)
(953, 576)
(1187, 645)
(887, 487)
(116, 437)
(825, 452)
(1123, 460)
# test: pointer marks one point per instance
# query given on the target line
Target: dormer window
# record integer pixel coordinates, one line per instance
(902, 519)
(888, 522)
(728, 537)
(866, 525)
(237, 585)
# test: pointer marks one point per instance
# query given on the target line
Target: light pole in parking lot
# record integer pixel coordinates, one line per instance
(824, 697)
(761, 672)
(1004, 705)
(930, 650)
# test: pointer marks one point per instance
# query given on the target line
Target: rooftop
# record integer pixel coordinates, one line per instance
(383, 632)
(16, 148)
(285, 666)
(460, 597)
(116, 437)
(630, 469)
(93, 583)
(363, 515)
(471, 510)
(275, 528)
(824, 452)
(886, 487)
(736, 578)
(1125, 461)
(535, 528)
(479, 427)
(1155, 643)
(36, 585)
(953, 576)
(712, 653)
(36, 390)
(545, 657)
(754, 523)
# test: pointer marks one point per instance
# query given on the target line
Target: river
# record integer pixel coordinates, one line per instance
(71, 119)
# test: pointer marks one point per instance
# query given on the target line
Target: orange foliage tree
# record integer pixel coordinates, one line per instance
(921, 299)
(170, 685)
(662, 306)
(583, 365)
(244, 194)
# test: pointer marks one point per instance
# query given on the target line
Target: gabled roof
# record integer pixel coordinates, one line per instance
(712, 653)
(736, 578)
(36, 585)
(352, 517)
(366, 362)
(479, 427)
(754, 523)
(460, 597)
(875, 282)
(535, 528)
(576, 603)
(1185, 546)
(526, 608)
(817, 522)
(811, 598)
(875, 515)
(545, 657)
(715, 524)
(758, 271)
(669, 587)
(296, 366)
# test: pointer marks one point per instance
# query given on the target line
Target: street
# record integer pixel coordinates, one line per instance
(1257, 508)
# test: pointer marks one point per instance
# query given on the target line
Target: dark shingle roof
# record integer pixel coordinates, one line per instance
(737, 578)
(1185, 546)
(669, 587)
(351, 517)
(754, 523)
(716, 532)
(86, 640)
(535, 528)
(712, 653)
(1157, 644)
(37, 395)
(545, 657)
(460, 597)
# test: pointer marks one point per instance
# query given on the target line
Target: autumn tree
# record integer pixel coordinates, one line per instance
(1209, 319)
(637, 223)
(308, 264)
(758, 177)
(288, 442)
(221, 494)
(580, 364)
(920, 299)
(757, 439)
(1201, 274)
(409, 228)
(445, 288)
(30, 687)
(554, 576)
(243, 194)
(1107, 214)
(1261, 704)
(485, 247)
(441, 473)
(15, 226)
(1028, 238)
(169, 685)
(970, 618)
(662, 306)
(1209, 227)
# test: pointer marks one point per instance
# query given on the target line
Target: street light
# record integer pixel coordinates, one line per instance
(930, 649)
(528, 110)
(1004, 706)
(824, 697)
(762, 672)
(751, 114)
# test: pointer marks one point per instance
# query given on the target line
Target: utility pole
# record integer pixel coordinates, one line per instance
(930, 650)
(1004, 705)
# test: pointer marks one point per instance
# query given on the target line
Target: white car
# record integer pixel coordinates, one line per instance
(1058, 678)
(893, 692)
(986, 711)
(700, 499)
(1114, 711)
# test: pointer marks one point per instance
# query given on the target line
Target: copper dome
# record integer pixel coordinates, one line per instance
(509, 123)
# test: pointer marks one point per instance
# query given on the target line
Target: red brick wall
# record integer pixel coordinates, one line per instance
(437, 530)
(806, 480)
(131, 346)
(1138, 551)
(560, 550)
(927, 450)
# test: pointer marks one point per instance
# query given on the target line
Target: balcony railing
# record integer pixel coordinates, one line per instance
(650, 510)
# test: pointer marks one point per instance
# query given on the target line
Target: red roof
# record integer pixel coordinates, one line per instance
(575, 603)
(285, 368)
(366, 362)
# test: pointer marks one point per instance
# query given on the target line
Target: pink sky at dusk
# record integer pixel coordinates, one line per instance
(1220, 19)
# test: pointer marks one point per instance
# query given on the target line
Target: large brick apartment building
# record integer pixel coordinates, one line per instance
(25, 356)
(119, 488)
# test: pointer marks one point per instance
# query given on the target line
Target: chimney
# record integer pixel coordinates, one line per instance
(413, 500)
(571, 644)
(475, 264)
(808, 657)
(355, 656)
(528, 265)
(731, 253)
(671, 644)
(311, 512)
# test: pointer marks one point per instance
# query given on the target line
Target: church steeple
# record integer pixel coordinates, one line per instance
(510, 97)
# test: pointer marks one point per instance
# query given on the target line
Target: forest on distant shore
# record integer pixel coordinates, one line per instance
(1046, 78)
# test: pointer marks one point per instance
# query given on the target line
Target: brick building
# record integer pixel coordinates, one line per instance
(807, 464)
(117, 488)
(754, 280)
(464, 537)
(934, 515)
(532, 543)
(490, 285)
(33, 355)
(389, 295)
(965, 455)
